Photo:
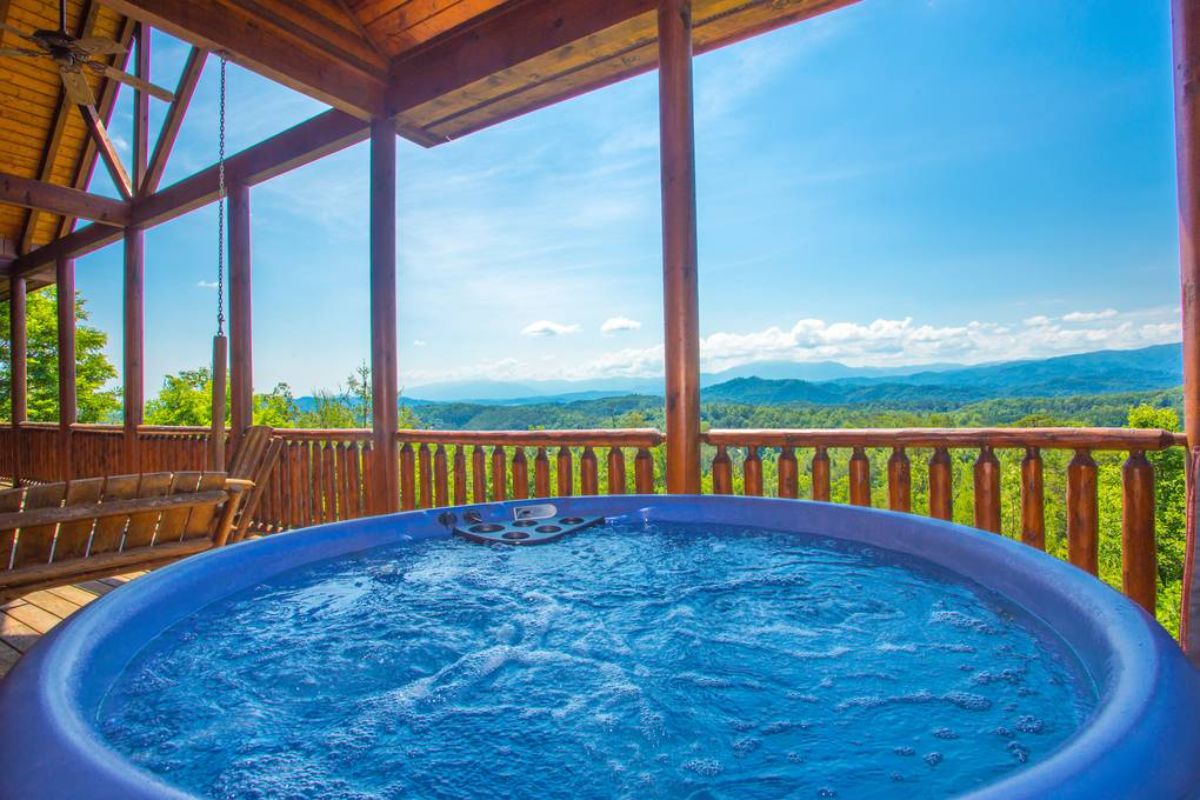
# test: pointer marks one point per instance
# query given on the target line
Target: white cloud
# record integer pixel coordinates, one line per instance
(545, 327)
(420, 343)
(618, 324)
(207, 285)
(882, 342)
(1089, 316)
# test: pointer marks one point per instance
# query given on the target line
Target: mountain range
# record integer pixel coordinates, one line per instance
(832, 383)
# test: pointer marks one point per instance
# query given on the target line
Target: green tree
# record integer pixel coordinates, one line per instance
(93, 370)
(185, 399)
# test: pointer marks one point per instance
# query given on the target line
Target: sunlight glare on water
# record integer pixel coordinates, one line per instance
(624, 661)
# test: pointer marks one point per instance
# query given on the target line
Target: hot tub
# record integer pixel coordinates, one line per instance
(687, 646)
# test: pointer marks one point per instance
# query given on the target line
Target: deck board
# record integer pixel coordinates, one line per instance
(24, 620)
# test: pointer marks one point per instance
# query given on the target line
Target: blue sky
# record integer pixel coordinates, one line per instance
(902, 181)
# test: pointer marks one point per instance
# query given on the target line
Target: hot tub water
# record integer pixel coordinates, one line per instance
(626, 660)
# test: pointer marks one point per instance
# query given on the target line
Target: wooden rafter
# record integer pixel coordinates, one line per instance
(107, 102)
(302, 144)
(304, 65)
(188, 79)
(44, 196)
(107, 150)
(141, 108)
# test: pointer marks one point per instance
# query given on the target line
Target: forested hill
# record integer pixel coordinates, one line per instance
(1110, 409)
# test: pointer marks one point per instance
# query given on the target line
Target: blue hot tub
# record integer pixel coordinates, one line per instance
(683, 646)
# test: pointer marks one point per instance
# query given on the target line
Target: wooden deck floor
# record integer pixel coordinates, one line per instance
(24, 620)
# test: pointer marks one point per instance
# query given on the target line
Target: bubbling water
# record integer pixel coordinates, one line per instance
(625, 661)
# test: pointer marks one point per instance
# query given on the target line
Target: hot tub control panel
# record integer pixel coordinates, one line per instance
(534, 524)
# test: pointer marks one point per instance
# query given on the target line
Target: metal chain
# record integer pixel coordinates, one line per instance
(221, 212)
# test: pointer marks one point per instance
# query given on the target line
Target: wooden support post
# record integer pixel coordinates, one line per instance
(1185, 22)
(680, 288)
(384, 383)
(241, 352)
(134, 344)
(141, 109)
(18, 369)
(67, 405)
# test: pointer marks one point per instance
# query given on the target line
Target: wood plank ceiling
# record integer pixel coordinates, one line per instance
(41, 136)
(443, 68)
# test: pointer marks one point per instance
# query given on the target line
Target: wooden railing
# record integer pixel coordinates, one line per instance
(514, 465)
(1139, 571)
(325, 475)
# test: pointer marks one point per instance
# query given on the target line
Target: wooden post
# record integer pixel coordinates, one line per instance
(384, 384)
(141, 110)
(134, 343)
(18, 372)
(241, 353)
(220, 377)
(1185, 21)
(680, 291)
(67, 400)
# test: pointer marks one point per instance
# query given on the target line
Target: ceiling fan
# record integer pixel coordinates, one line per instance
(73, 55)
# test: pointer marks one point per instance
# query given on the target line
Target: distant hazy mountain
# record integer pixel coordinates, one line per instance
(830, 382)
(1104, 371)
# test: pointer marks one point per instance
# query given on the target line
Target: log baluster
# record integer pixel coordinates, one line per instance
(426, 477)
(941, 490)
(1083, 512)
(499, 474)
(441, 483)
(987, 490)
(460, 475)
(1033, 499)
(899, 481)
(541, 474)
(752, 479)
(408, 478)
(860, 478)
(616, 471)
(520, 474)
(789, 473)
(643, 471)
(589, 473)
(722, 472)
(820, 475)
(566, 478)
(478, 474)
(1139, 566)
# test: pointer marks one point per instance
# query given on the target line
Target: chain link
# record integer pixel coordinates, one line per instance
(221, 212)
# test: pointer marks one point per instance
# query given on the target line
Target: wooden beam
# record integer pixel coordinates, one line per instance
(61, 115)
(385, 495)
(1185, 19)
(681, 316)
(68, 411)
(241, 372)
(141, 109)
(307, 142)
(516, 32)
(188, 80)
(28, 193)
(245, 40)
(107, 151)
(133, 368)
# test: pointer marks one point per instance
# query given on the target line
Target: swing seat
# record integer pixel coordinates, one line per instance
(61, 533)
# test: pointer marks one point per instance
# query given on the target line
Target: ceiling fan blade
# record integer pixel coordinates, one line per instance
(98, 46)
(134, 81)
(19, 51)
(76, 86)
(4, 26)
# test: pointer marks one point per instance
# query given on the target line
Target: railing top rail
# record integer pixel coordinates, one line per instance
(597, 437)
(323, 434)
(1049, 438)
